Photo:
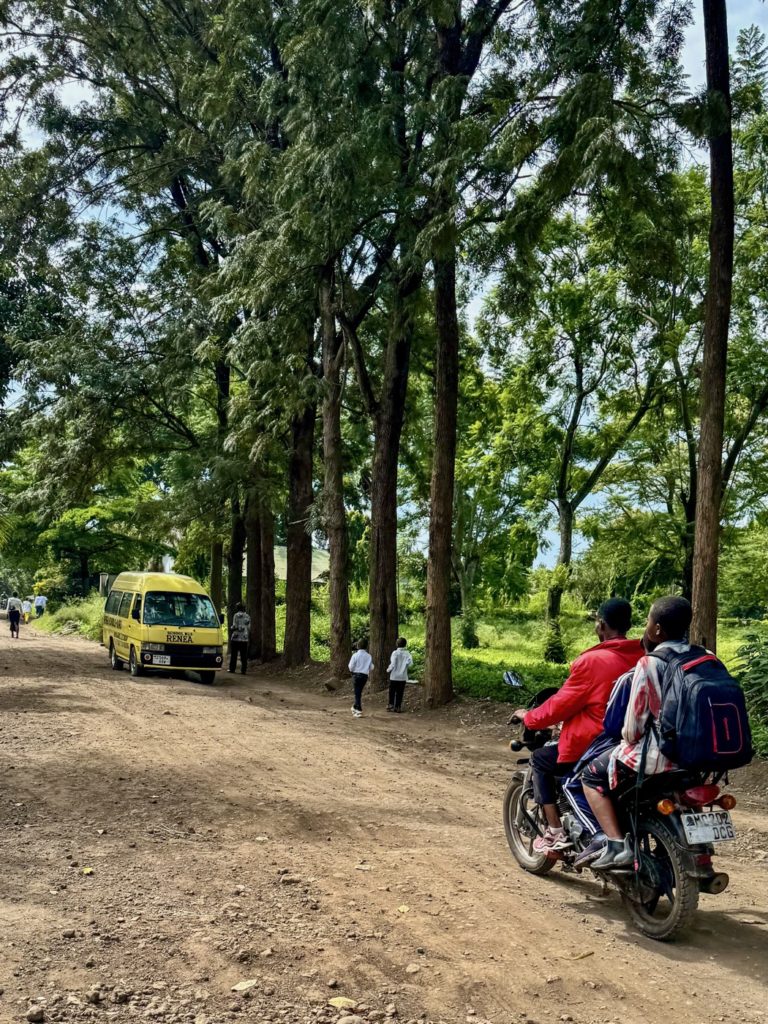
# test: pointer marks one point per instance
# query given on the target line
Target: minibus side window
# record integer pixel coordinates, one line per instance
(125, 605)
(136, 613)
(113, 602)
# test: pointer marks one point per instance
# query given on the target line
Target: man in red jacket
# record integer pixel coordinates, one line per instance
(580, 705)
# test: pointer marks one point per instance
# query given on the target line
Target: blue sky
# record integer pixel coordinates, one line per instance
(741, 13)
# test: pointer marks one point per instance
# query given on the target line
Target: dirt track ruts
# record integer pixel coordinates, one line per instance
(187, 802)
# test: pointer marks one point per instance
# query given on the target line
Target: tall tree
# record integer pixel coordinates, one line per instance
(718, 310)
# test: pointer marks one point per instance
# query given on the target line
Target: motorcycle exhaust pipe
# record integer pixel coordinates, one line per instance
(715, 885)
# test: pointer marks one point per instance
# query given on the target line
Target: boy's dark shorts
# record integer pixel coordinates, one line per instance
(595, 775)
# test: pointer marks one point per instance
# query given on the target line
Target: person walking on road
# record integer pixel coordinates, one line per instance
(26, 610)
(239, 631)
(360, 666)
(40, 602)
(399, 663)
(14, 614)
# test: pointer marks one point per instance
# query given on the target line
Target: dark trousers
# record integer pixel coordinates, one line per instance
(238, 647)
(546, 768)
(14, 616)
(396, 691)
(359, 679)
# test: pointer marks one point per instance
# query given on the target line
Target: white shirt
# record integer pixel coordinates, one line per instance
(14, 602)
(26, 606)
(41, 601)
(361, 663)
(399, 663)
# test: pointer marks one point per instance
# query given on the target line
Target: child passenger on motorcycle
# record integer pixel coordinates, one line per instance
(580, 705)
(667, 627)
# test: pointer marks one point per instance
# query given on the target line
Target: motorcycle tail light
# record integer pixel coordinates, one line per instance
(727, 801)
(697, 796)
(704, 859)
(665, 806)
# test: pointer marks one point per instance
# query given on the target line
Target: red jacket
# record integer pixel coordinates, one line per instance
(581, 701)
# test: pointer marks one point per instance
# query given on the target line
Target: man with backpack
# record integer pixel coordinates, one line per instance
(666, 630)
(580, 706)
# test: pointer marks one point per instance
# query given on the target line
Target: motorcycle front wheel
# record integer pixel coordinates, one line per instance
(518, 800)
(664, 898)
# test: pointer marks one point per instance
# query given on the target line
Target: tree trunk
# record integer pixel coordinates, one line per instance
(721, 231)
(438, 679)
(235, 560)
(333, 489)
(268, 642)
(388, 426)
(222, 378)
(565, 554)
(253, 577)
(217, 576)
(298, 584)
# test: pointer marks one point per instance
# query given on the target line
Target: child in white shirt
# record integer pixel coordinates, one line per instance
(360, 665)
(399, 663)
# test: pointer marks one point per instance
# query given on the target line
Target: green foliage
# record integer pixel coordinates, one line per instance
(469, 637)
(554, 648)
(83, 617)
(753, 674)
(483, 679)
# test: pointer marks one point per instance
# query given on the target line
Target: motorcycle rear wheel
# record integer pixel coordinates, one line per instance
(675, 897)
(516, 799)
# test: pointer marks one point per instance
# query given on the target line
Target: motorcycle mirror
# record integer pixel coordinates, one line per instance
(512, 679)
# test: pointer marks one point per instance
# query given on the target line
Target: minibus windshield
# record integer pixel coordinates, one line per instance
(171, 608)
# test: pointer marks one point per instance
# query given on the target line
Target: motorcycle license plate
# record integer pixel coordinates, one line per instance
(708, 827)
(161, 659)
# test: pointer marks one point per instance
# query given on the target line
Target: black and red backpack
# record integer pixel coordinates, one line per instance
(703, 723)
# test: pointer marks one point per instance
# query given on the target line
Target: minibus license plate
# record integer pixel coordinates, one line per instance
(161, 659)
(708, 827)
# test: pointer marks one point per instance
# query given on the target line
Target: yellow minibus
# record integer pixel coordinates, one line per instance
(162, 621)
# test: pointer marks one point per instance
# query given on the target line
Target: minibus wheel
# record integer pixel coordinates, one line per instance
(133, 663)
(207, 677)
(115, 662)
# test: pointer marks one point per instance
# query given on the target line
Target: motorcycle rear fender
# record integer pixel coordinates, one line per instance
(689, 853)
(519, 776)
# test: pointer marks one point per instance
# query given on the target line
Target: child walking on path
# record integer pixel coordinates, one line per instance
(360, 665)
(399, 663)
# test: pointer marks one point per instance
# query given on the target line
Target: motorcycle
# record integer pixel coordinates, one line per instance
(675, 819)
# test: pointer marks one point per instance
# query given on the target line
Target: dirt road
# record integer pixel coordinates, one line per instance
(163, 842)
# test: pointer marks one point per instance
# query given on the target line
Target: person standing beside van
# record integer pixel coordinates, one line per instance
(239, 633)
(399, 663)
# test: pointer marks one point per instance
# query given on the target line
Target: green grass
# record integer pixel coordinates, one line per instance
(81, 617)
(513, 640)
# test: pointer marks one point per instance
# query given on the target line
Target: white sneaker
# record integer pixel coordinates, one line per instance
(358, 714)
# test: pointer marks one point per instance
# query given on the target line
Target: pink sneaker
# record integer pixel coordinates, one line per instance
(551, 841)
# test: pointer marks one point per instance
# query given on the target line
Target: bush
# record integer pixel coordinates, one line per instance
(76, 616)
(475, 678)
(554, 647)
(469, 638)
(753, 675)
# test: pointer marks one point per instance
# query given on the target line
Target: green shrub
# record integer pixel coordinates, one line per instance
(554, 647)
(475, 678)
(753, 675)
(360, 627)
(469, 638)
(76, 616)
